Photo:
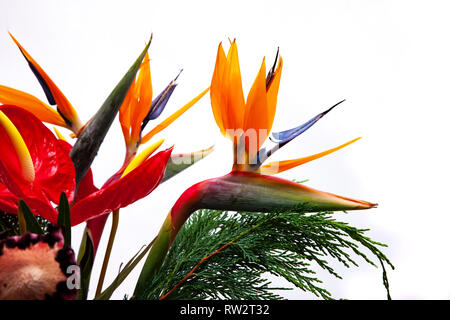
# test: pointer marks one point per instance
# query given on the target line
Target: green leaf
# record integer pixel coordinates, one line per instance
(85, 261)
(89, 141)
(27, 220)
(107, 293)
(64, 218)
(182, 161)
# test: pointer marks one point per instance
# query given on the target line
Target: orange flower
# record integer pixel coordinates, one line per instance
(64, 115)
(249, 186)
(248, 123)
(138, 109)
(233, 115)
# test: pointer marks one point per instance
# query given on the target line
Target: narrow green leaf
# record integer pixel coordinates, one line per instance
(182, 161)
(64, 219)
(85, 261)
(89, 141)
(27, 220)
(107, 293)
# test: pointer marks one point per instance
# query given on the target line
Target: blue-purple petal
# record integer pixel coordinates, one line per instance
(284, 137)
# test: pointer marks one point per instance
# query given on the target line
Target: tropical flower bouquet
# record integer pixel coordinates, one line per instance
(221, 237)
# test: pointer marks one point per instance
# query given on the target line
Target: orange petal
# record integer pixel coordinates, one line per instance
(53, 93)
(124, 113)
(280, 166)
(256, 116)
(143, 98)
(232, 90)
(172, 117)
(217, 100)
(272, 93)
(28, 102)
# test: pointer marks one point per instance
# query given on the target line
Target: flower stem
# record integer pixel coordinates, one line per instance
(112, 235)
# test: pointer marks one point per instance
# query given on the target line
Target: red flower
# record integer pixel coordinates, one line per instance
(35, 166)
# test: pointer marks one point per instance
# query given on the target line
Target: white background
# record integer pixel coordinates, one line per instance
(389, 59)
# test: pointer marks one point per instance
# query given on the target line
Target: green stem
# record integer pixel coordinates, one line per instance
(112, 236)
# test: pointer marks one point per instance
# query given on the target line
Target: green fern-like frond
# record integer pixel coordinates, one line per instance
(224, 255)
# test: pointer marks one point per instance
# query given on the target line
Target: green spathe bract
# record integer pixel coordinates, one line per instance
(89, 141)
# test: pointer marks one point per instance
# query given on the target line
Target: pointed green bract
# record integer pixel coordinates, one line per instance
(89, 141)
(85, 261)
(27, 220)
(64, 219)
(182, 161)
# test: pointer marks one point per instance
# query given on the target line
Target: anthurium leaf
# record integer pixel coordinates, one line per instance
(85, 261)
(64, 218)
(89, 141)
(27, 220)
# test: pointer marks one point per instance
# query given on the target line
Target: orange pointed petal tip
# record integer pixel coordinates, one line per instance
(234, 107)
(230, 110)
(165, 123)
(216, 93)
(52, 92)
(272, 85)
(227, 97)
(26, 167)
(280, 166)
(32, 104)
(140, 100)
(275, 71)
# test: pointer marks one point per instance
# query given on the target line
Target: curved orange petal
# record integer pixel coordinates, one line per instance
(256, 115)
(272, 94)
(54, 94)
(280, 166)
(124, 113)
(217, 100)
(28, 102)
(143, 98)
(233, 94)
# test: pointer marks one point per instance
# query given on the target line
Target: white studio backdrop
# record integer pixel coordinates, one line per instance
(388, 59)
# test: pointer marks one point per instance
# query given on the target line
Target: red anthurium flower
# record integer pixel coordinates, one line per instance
(36, 167)
(33, 165)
